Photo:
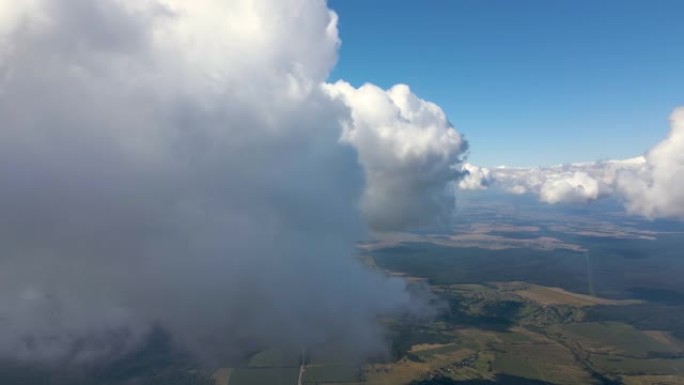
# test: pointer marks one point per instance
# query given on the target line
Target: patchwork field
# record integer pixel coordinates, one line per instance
(511, 317)
(495, 333)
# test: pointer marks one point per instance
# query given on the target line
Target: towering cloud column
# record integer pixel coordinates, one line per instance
(657, 190)
(183, 163)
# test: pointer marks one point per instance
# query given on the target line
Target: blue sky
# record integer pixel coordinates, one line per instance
(529, 82)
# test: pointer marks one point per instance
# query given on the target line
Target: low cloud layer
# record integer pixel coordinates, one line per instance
(183, 163)
(648, 186)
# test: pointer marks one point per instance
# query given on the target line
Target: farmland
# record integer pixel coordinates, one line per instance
(540, 343)
(603, 309)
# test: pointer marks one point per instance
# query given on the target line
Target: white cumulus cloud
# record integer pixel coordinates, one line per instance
(570, 183)
(650, 185)
(409, 151)
(475, 178)
(657, 189)
(183, 163)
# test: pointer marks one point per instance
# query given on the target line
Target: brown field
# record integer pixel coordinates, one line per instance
(404, 371)
(545, 295)
(480, 238)
(222, 376)
(665, 338)
(469, 287)
(397, 373)
(424, 347)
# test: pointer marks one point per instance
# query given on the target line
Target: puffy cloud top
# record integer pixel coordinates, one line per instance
(409, 151)
(475, 178)
(571, 183)
(570, 187)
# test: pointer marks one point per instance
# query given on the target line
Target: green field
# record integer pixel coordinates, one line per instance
(264, 376)
(274, 358)
(629, 365)
(332, 373)
(615, 337)
(538, 358)
(518, 365)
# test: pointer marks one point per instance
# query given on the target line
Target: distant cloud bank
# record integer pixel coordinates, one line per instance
(651, 185)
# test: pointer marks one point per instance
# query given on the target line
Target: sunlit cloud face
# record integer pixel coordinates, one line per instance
(656, 191)
(409, 152)
(184, 164)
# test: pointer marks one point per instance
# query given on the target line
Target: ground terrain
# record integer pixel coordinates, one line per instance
(541, 300)
(524, 298)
